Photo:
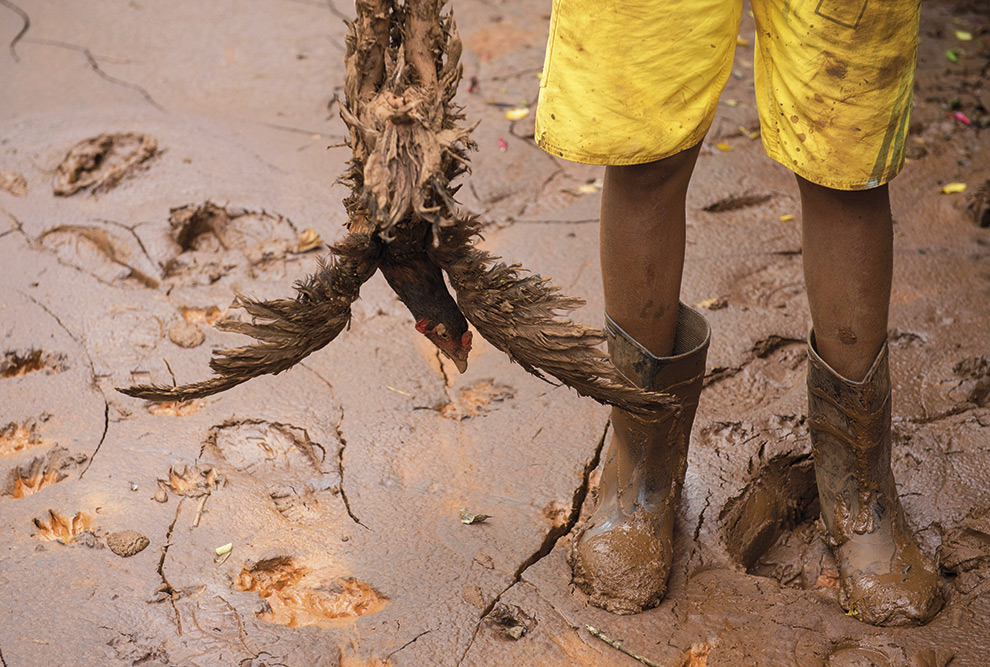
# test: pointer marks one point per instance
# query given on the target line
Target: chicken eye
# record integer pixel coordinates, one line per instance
(441, 331)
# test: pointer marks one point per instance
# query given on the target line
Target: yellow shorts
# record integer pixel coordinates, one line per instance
(633, 81)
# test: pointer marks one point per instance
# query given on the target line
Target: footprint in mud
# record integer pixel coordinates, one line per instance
(293, 467)
(777, 284)
(476, 400)
(100, 162)
(209, 241)
(189, 481)
(295, 596)
(16, 437)
(965, 550)
(16, 363)
(974, 386)
(67, 530)
(41, 471)
(878, 652)
(771, 528)
(112, 255)
(775, 367)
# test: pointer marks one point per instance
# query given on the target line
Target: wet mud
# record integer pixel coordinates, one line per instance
(337, 485)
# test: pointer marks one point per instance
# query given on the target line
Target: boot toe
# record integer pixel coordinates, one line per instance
(623, 570)
(894, 599)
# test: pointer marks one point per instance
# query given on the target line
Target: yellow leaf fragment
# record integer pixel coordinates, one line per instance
(964, 36)
(786, 217)
(225, 549)
(714, 303)
(517, 114)
(953, 188)
(309, 239)
(741, 41)
(724, 147)
(755, 134)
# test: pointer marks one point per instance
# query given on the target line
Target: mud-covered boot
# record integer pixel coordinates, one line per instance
(885, 579)
(622, 556)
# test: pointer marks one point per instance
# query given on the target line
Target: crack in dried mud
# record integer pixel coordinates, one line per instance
(322, 379)
(701, 515)
(945, 414)
(408, 643)
(106, 427)
(446, 378)
(92, 370)
(340, 472)
(550, 539)
(23, 31)
(137, 238)
(300, 130)
(241, 634)
(95, 66)
(166, 587)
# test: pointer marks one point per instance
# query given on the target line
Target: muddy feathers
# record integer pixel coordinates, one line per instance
(402, 71)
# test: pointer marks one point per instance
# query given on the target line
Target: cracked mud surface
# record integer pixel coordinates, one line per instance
(337, 484)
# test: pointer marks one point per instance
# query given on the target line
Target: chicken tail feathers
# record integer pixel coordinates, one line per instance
(288, 330)
(518, 313)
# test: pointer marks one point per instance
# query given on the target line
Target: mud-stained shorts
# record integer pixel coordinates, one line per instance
(633, 81)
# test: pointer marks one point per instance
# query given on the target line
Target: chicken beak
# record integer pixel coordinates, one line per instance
(460, 363)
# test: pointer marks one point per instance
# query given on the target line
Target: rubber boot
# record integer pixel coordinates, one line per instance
(622, 556)
(885, 579)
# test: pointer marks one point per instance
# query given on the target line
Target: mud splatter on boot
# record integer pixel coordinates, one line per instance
(885, 579)
(621, 558)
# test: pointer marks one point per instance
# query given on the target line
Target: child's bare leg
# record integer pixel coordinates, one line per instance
(642, 246)
(848, 259)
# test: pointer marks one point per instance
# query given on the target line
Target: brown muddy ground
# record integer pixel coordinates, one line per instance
(338, 485)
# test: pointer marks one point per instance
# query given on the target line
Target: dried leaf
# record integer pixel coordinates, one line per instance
(517, 114)
(715, 303)
(309, 239)
(755, 134)
(953, 188)
(468, 518)
(589, 188)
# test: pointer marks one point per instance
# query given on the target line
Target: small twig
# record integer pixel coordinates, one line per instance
(199, 510)
(619, 647)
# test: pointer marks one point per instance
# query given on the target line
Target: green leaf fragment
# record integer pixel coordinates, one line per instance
(225, 549)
